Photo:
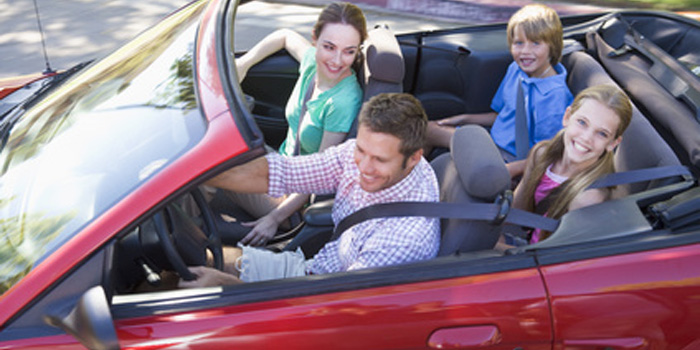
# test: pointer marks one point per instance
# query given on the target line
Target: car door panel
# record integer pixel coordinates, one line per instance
(502, 310)
(637, 300)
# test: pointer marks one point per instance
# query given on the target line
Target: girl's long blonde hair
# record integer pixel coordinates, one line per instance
(550, 151)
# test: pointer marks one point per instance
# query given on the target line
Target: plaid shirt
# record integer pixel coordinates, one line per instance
(377, 242)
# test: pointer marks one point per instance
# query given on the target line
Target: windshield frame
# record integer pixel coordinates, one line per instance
(87, 85)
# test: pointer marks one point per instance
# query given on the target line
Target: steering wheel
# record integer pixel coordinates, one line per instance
(183, 242)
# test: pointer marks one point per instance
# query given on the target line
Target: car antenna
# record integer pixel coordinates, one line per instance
(43, 42)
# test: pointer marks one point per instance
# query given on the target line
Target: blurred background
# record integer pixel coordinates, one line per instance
(79, 30)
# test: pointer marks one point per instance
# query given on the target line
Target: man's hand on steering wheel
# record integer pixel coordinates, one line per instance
(208, 277)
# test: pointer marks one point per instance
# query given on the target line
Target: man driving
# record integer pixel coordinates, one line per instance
(384, 164)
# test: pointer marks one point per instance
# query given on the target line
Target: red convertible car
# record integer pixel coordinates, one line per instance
(97, 160)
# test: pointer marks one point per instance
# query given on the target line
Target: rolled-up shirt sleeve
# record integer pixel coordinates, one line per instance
(316, 173)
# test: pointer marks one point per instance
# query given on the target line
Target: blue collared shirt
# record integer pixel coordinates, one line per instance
(546, 100)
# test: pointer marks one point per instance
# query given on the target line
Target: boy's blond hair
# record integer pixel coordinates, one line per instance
(540, 23)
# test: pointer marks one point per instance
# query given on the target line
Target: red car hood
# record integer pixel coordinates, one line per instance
(10, 85)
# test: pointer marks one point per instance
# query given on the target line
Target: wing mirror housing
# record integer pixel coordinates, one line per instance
(89, 320)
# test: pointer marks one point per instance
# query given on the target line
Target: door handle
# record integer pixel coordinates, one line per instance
(468, 336)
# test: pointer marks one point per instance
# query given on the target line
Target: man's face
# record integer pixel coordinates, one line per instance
(380, 162)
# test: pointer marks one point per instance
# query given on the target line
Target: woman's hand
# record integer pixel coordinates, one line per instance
(263, 230)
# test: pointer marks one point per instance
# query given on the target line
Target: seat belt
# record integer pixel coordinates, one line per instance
(499, 212)
(522, 134)
(307, 97)
(639, 175)
(665, 69)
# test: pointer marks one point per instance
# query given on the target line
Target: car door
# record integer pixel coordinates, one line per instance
(637, 293)
(455, 302)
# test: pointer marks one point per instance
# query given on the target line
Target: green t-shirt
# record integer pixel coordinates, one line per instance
(333, 110)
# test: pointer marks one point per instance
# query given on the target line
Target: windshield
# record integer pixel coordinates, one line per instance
(75, 154)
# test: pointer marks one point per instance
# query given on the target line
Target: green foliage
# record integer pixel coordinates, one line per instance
(23, 240)
(671, 5)
(178, 90)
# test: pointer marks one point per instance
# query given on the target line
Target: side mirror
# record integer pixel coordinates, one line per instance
(89, 320)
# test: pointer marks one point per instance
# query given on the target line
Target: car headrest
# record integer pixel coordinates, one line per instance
(383, 67)
(383, 56)
(479, 164)
(642, 146)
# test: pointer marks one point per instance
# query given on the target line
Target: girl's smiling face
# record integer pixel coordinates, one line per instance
(336, 49)
(532, 56)
(589, 132)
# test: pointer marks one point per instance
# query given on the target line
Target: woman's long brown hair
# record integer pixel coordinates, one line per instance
(344, 13)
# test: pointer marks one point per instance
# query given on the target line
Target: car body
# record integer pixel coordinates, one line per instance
(91, 165)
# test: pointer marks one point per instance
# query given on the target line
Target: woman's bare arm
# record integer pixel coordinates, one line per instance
(280, 39)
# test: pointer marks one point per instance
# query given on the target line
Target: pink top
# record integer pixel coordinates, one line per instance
(548, 182)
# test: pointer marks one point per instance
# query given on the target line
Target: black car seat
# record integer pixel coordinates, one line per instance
(472, 172)
(642, 146)
(654, 67)
(383, 68)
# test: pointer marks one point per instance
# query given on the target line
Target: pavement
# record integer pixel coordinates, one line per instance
(464, 11)
(74, 30)
(78, 30)
(252, 19)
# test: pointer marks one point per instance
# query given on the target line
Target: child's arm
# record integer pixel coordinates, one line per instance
(516, 168)
(589, 197)
(439, 132)
(485, 119)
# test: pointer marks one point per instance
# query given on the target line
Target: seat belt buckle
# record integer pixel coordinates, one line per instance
(504, 201)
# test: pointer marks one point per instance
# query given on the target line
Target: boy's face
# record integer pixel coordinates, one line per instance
(531, 56)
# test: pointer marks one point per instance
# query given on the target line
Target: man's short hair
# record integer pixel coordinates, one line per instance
(397, 114)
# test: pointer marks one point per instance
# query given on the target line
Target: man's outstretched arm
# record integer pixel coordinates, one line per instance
(251, 177)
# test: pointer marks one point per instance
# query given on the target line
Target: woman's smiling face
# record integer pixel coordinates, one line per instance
(336, 49)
